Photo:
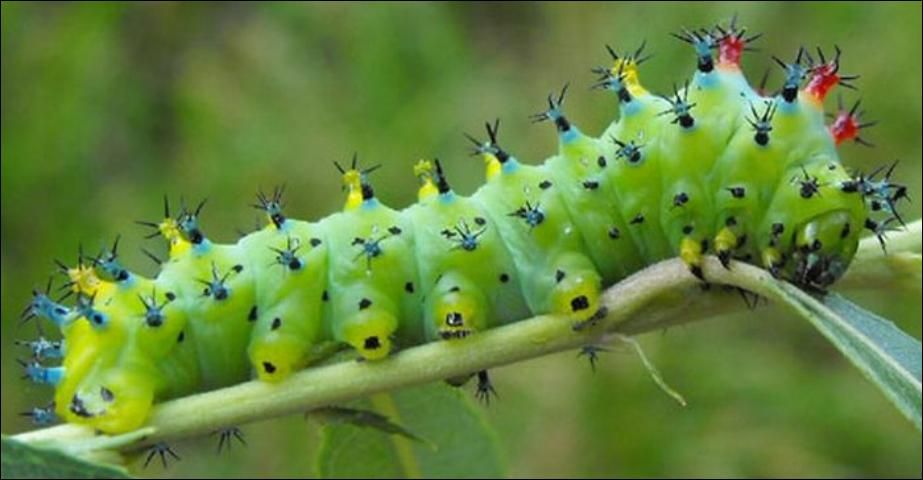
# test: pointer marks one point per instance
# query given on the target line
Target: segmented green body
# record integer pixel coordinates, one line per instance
(673, 176)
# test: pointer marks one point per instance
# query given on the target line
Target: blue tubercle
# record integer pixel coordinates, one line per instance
(84, 308)
(534, 217)
(572, 134)
(44, 375)
(202, 248)
(128, 283)
(788, 108)
(510, 166)
(447, 198)
(42, 416)
(42, 348)
(630, 108)
(706, 80)
(372, 249)
(47, 308)
(370, 204)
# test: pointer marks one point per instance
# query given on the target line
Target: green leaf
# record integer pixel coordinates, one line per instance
(457, 442)
(886, 355)
(361, 418)
(25, 461)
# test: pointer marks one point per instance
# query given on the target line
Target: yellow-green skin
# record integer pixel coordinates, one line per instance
(480, 285)
(369, 302)
(604, 218)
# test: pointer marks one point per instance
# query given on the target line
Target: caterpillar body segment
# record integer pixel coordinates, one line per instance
(635, 178)
(371, 259)
(542, 239)
(289, 300)
(467, 276)
(580, 177)
(216, 285)
(716, 167)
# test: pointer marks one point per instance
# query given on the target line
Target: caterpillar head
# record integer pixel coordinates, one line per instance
(106, 383)
(115, 399)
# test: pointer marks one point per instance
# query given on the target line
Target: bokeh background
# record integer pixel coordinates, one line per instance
(106, 107)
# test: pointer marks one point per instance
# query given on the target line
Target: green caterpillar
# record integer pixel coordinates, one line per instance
(717, 167)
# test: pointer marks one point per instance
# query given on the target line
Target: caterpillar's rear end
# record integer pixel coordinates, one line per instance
(717, 167)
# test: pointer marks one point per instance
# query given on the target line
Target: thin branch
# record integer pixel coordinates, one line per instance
(660, 296)
(899, 268)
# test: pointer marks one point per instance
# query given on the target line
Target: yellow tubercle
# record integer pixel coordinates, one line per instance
(352, 182)
(424, 171)
(628, 69)
(690, 251)
(84, 280)
(169, 229)
(179, 247)
(492, 164)
(427, 190)
(725, 241)
(771, 258)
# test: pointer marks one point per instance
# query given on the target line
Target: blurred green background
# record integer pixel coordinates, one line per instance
(106, 107)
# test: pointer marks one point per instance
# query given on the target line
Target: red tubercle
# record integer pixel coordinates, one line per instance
(825, 76)
(846, 125)
(730, 49)
(732, 43)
